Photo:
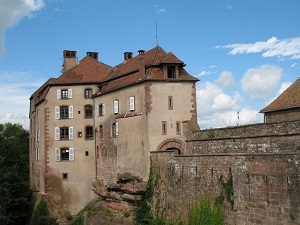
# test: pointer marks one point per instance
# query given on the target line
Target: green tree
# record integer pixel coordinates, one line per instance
(14, 174)
(41, 215)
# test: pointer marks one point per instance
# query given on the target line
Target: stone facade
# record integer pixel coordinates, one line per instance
(262, 160)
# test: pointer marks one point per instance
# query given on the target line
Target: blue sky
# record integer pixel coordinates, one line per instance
(245, 52)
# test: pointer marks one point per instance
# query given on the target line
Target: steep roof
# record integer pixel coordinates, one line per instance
(290, 98)
(127, 72)
(86, 71)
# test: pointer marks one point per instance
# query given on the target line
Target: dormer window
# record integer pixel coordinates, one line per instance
(171, 72)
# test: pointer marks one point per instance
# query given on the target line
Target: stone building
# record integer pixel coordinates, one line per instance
(286, 107)
(96, 121)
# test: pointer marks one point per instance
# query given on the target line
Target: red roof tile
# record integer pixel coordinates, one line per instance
(290, 98)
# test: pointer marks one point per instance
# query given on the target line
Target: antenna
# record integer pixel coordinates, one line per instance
(156, 33)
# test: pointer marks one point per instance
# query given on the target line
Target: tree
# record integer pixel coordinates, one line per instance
(41, 215)
(14, 174)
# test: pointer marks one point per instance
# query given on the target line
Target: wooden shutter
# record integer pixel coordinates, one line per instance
(70, 93)
(117, 128)
(57, 133)
(57, 112)
(58, 94)
(116, 107)
(57, 154)
(71, 133)
(103, 109)
(71, 154)
(70, 111)
(131, 103)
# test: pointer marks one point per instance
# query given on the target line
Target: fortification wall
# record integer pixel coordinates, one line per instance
(262, 161)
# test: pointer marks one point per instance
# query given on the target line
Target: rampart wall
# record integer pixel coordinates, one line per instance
(259, 163)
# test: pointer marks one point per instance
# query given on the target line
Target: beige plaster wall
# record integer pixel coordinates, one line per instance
(182, 106)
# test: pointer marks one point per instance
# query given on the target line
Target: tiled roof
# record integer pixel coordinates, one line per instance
(290, 98)
(89, 70)
(127, 72)
(86, 71)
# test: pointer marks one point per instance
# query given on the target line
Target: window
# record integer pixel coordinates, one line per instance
(171, 72)
(170, 102)
(79, 134)
(164, 127)
(64, 94)
(116, 107)
(115, 129)
(89, 132)
(88, 93)
(64, 133)
(101, 131)
(88, 111)
(63, 112)
(65, 176)
(64, 154)
(178, 127)
(101, 110)
(86, 153)
(131, 103)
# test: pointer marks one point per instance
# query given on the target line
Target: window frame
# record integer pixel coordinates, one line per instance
(88, 113)
(88, 92)
(89, 133)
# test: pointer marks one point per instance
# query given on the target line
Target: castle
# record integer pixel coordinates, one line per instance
(95, 122)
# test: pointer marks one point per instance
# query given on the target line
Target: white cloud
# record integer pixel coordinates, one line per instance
(260, 82)
(15, 96)
(12, 12)
(158, 9)
(226, 79)
(203, 73)
(273, 47)
(294, 64)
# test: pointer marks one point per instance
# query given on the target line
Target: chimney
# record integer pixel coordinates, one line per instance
(141, 52)
(127, 55)
(142, 69)
(69, 60)
(94, 55)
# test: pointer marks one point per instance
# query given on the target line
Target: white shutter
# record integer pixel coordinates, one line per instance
(103, 109)
(70, 93)
(70, 111)
(58, 94)
(131, 103)
(117, 128)
(71, 136)
(38, 134)
(116, 107)
(71, 154)
(57, 112)
(57, 154)
(57, 133)
(97, 110)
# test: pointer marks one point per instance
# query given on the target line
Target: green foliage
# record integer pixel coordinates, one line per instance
(14, 174)
(79, 220)
(41, 215)
(210, 133)
(201, 213)
(227, 191)
(292, 216)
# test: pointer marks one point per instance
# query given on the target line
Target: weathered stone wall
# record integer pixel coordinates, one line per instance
(263, 161)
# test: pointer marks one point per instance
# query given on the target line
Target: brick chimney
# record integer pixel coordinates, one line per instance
(142, 69)
(94, 55)
(69, 60)
(127, 55)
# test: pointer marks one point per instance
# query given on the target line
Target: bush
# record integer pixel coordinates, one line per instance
(41, 215)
